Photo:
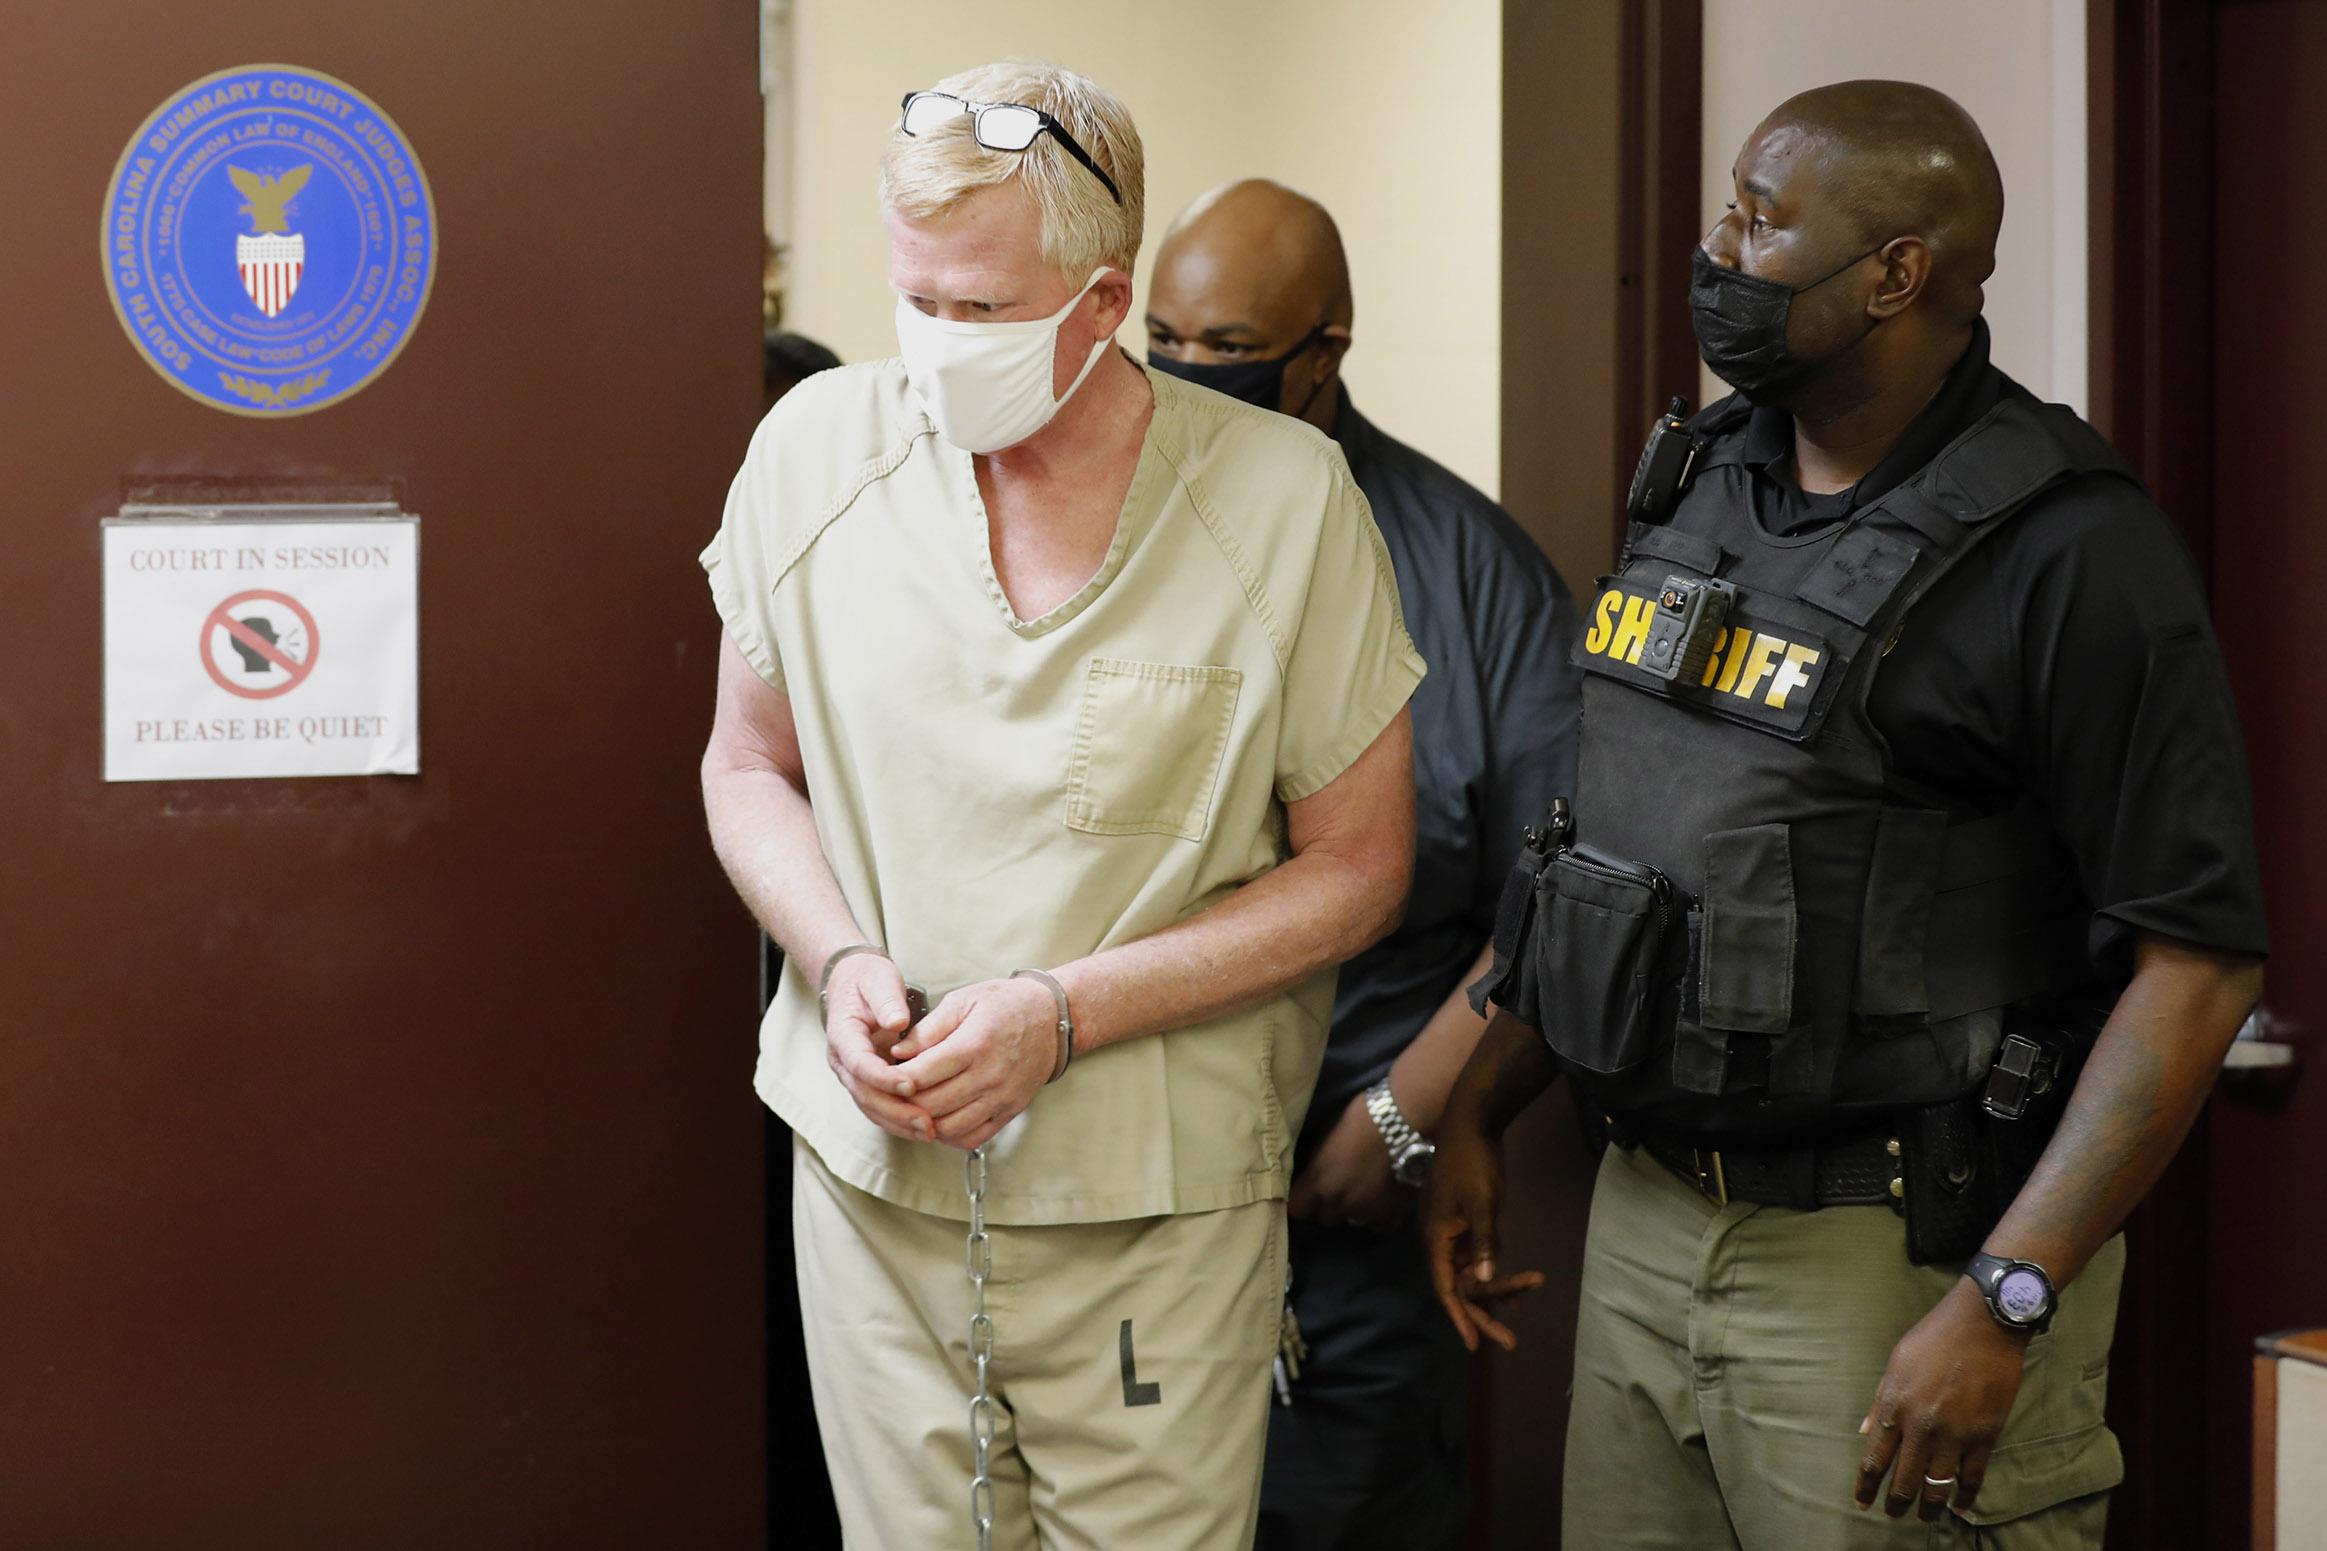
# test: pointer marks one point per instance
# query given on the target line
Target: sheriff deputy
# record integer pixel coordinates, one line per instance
(1906, 906)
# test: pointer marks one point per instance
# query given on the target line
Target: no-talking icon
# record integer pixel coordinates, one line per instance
(259, 644)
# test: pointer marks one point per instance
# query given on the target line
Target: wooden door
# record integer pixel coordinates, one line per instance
(378, 1162)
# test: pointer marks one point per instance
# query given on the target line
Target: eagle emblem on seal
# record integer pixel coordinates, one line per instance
(270, 256)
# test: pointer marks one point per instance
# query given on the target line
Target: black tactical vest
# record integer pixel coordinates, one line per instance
(1755, 929)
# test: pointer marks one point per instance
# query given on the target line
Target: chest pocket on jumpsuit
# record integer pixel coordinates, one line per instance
(1148, 747)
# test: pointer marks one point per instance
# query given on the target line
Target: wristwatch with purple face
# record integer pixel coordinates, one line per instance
(2019, 1294)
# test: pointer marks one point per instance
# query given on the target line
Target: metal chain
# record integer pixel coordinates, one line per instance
(981, 1258)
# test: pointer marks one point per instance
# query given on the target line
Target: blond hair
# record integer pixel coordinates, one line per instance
(1082, 225)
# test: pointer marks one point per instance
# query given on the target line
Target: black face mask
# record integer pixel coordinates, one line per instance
(1741, 326)
(1255, 382)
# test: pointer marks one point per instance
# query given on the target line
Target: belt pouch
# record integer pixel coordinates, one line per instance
(1963, 1167)
(1603, 936)
(1949, 1192)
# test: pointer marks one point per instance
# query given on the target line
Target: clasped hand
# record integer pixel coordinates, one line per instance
(960, 1075)
(1350, 1180)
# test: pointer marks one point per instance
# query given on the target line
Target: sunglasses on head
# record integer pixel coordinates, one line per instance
(998, 126)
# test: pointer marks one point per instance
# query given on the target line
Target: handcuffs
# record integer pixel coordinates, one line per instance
(917, 1001)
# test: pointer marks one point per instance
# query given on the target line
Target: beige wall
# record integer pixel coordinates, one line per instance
(1387, 111)
(2016, 65)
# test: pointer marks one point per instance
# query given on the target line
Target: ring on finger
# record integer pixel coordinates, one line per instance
(1946, 1485)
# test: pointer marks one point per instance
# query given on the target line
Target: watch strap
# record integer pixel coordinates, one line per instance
(1398, 1134)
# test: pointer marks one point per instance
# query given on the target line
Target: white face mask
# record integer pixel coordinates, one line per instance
(986, 386)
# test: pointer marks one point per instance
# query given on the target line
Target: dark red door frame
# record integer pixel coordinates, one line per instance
(2150, 104)
(2149, 84)
(2265, 1262)
(1601, 112)
(1602, 107)
(1663, 106)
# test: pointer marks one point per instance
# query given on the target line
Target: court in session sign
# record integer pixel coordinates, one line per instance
(282, 645)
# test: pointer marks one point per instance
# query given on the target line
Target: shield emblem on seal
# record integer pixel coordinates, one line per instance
(270, 256)
(270, 267)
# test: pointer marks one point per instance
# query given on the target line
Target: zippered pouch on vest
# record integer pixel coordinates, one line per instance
(1604, 964)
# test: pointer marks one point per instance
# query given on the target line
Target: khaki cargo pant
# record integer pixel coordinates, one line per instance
(1131, 1369)
(1726, 1355)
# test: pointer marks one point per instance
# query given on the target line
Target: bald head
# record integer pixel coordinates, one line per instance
(1265, 240)
(1893, 159)
(1247, 273)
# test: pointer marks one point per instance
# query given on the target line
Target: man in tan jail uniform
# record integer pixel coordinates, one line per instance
(1038, 661)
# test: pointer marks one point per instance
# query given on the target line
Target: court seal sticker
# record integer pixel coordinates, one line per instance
(269, 241)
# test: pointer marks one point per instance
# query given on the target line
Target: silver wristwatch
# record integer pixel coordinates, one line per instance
(1410, 1150)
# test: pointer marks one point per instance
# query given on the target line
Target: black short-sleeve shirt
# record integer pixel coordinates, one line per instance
(1494, 743)
(2070, 658)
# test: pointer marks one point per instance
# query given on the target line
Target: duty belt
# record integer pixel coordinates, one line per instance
(1863, 1171)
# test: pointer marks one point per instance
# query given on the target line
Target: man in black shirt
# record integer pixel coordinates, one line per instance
(1251, 296)
(1906, 727)
(787, 360)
